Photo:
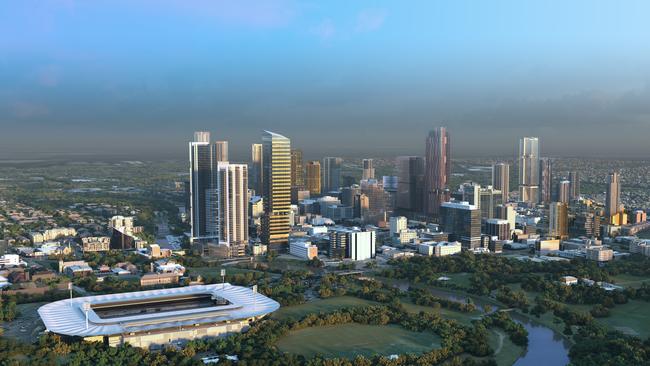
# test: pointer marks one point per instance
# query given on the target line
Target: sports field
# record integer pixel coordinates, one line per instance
(349, 340)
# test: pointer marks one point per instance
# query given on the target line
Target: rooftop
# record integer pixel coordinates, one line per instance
(153, 310)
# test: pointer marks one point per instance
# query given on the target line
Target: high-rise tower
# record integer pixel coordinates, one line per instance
(501, 179)
(545, 180)
(331, 170)
(221, 150)
(437, 170)
(276, 181)
(564, 191)
(256, 178)
(368, 170)
(297, 174)
(529, 169)
(574, 177)
(313, 178)
(410, 182)
(232, 183)
(613, 198)
(203, 189)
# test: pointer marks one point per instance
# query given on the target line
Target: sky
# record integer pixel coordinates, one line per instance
(352, 78)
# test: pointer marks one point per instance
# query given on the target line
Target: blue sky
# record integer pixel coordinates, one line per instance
(348, 77)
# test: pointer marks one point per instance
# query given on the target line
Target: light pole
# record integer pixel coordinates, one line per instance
(223, 279)
(86, 308)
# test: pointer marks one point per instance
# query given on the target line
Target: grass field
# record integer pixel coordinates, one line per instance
(505, 352)
(318, 306)
(630, 280)
(349, 340)
(632, 318)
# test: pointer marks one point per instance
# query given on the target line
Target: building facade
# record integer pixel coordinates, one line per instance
(463, 223)
(277, 190)
(528, 164)
(437, 170)
(501, 179)
(297, 174)
(314, 178)
(331, 171)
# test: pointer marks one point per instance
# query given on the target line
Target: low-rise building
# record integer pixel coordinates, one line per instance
(158, 279)
(568, 280)
(51, 234)
(10, 260)
(545, 246)
(439, 249)
(303, 249)
(600, 254)
(96, 243)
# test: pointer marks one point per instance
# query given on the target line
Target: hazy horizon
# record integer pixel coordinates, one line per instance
(366, 78)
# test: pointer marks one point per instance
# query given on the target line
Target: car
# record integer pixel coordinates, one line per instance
(210, 359)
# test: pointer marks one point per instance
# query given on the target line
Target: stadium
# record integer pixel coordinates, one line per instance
(150, 319)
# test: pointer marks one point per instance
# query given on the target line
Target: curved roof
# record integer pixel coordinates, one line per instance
(68, 316)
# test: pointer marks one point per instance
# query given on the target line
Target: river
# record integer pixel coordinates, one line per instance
(545, 346)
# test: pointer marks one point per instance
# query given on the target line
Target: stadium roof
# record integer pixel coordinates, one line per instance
(68, 316)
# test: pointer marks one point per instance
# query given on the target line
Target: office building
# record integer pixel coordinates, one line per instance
(377, 202)
(338, 244)
(313, 178)
(499, 228)
(368, 170)
(545, 246)
(529, 169)
(439, 249)
(410, 183)
(600, 254)
(564, 191)
(203, 189)
(574, 178)
(297, 174)
(232, 183)
(157, 317)
(276, 179)
(545, 181)
(303, 249)
(613, 196)
(558, 220)
(331, 171)
(507, 212)
(585, 224)
(397, 224)
(489, 199)
(436, 170)
(463, 223)
(256, 175)
(361, 245)
(501, 179)
(221, 151)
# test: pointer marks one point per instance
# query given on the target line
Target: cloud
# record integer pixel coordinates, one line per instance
(325, 30)
(370, 20)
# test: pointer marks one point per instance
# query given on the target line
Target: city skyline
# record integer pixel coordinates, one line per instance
(311, 72)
